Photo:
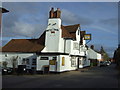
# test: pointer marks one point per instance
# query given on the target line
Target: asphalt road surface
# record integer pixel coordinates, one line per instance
(92, 77)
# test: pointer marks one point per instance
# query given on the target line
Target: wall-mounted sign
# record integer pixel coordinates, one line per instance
(52, 62)
(87, 37)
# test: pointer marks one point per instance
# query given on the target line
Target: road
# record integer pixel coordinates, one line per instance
(92, 77)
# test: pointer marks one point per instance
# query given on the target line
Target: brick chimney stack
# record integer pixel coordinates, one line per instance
(54, 14)
(58, 13)
(51, 13)
(92, 47)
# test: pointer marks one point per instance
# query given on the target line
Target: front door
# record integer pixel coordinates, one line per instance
(78, 61)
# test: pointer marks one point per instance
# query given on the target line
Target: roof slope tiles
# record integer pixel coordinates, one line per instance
(25, 45)
(69, 31)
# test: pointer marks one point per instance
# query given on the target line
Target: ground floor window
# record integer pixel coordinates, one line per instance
(80, 60)
(63, 61)
(73, 61)
(54, 58)
(34, 61)
(25, 61)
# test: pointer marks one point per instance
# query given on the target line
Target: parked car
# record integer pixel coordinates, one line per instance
(102, 63)
(108, 63)
(7, 70)
(105, 63)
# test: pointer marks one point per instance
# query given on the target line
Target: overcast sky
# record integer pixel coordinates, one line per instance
(29, 20)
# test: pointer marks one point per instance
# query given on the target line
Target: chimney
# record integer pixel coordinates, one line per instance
(58, 12)
(92, 47)
(51, 13)
(54, 14)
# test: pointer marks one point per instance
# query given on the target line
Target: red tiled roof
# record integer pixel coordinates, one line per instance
(25, 45)
(65, 33)
(72, 28)
(69, 31)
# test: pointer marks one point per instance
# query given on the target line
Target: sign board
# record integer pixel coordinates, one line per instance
(87, 37)
(52, 62)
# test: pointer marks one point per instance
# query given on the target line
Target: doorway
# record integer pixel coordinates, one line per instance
(78, 62)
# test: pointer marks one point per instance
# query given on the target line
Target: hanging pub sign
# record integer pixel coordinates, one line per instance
(87, 37)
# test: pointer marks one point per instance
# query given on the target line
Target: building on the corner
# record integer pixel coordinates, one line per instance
(60, 48)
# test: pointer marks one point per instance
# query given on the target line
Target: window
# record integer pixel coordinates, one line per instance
(33, 68)
(44, 58)
(76, 46)
(63, 61)
(80, 60)
(34, 61)
(25, 61)
(54, 58)
(73, 61)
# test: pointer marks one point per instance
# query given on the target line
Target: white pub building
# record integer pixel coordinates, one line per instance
(60, 48)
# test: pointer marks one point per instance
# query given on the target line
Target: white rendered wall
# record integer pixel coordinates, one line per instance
(59, 68)
(68, 48)
(53, 41)
(67, 65)
(92, 54)
(10, 56)
(99, 56)
(75, 51)
(78, 35)
(41, 63)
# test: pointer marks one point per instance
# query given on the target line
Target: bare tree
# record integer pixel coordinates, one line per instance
(4, 64)
(14, 60)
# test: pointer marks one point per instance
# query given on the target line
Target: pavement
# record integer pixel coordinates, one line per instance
(90, 77)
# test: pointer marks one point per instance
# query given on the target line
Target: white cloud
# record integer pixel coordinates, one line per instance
(69, 17)
(24, 29)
